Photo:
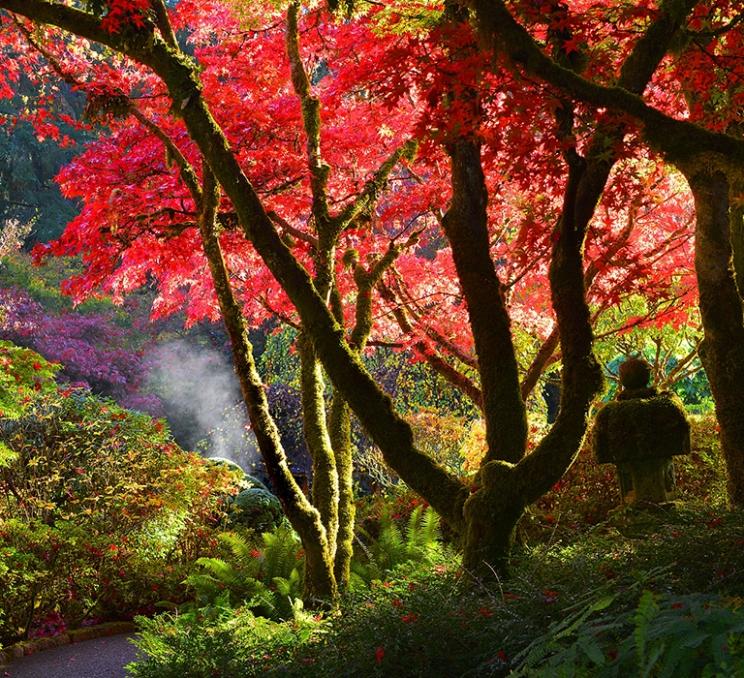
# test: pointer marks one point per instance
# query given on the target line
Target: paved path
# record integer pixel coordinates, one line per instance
(98, 658)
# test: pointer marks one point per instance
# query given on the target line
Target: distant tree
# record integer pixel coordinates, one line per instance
(30, 160)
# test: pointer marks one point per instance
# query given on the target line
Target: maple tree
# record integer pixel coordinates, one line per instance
(706, 84)
(93, 349)
(495, 148)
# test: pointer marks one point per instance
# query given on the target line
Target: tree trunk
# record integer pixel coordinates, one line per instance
(466, 226)
(722, 349)
(325, 480)
(339, 424)
(320, 584)
(737, 232)
(491, 514)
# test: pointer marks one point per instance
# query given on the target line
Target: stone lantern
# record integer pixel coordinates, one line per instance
(640, 432)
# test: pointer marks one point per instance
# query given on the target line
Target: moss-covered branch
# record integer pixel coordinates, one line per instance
(367, 198)
(163, 22)
(310, 117)
(546, 354)
(676, 138)
(320, 583)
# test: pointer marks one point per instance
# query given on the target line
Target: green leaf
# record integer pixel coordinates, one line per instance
(592, 650)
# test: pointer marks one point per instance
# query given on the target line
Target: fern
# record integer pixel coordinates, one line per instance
(219, 569)
(243, 552)
(644, 615)
(430, 530)
(266, 581)
(413, 529)
(280, 553)
(418, 542)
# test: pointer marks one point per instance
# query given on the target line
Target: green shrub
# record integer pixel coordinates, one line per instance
(24, 375)
(234, 643)
(383, 631)
(423, 619)
(43, 283)
(255, 508)
(100, 512)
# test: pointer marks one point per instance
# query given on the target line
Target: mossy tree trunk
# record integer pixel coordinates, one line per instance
(328, 435)
(308, 521)
(737, 231)
(722, 349)
(504, 490)
(320, 585)
(339, 424)
(466, 226)
(319, 445)
(325, 478)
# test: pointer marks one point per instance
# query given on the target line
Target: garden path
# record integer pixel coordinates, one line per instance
(98, 658)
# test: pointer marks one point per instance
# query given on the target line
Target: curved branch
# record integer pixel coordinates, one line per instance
(677, 139)
(310, 119)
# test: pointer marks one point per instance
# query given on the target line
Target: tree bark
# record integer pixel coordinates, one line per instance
(492, 512)
(325, 486)
(339, 425)
(320, 584)
(466, 226)
(737, 232)
(722, 349)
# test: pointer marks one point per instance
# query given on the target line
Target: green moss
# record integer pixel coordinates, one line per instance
(256, 508)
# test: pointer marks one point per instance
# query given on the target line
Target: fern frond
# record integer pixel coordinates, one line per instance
(243, 552)
(222, 571)
(280, 552)
(430, 529)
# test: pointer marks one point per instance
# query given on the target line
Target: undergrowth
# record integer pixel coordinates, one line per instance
(642, 594)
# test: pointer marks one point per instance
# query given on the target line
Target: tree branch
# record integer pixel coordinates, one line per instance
(163, 22)
(366, 200)
(678, 139)
(310, 119)
(441, 366)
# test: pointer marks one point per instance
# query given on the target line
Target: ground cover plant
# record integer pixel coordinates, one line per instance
(615, 601)
(596, 589)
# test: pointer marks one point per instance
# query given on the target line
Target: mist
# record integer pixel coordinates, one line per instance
(202, 401)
